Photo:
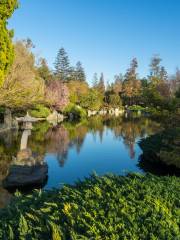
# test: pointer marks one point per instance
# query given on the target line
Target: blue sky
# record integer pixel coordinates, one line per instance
(103, 34)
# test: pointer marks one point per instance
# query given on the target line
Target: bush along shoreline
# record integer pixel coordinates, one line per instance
(108, 207)
(163, 147)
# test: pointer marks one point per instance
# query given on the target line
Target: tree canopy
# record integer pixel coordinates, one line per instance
(22, 86)
(62, 65)
(131, 84)
(6, 49)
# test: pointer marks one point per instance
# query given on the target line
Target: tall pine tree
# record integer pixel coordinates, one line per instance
(95, 80)
(101, 86)
(62, 65)
(163, 75)
(44, 71)
(155, 66)
(156, 71)
(80, 74)
(131, 85)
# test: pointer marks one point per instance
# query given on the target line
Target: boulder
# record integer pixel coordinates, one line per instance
(20, 176)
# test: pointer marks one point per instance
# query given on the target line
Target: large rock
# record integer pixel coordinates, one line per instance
(20, 176)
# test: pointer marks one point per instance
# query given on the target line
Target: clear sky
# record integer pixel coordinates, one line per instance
(103, 34)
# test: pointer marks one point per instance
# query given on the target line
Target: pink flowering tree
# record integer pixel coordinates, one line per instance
(57, 95)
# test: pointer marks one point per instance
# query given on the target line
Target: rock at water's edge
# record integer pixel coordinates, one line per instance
(20, 176)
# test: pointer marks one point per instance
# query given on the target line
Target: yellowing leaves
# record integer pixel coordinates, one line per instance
(67, 208)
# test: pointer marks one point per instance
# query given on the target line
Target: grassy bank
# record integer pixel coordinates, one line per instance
(109, 207)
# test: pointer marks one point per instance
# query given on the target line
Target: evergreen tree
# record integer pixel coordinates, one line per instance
(95, 80)
(117, 85)
(119, 78)
(131, 85)
(101, 86)
(163, 74)
(62, 65)
(177, 79)
(80, 74)
(6, 47)
(72, 74)
(157, 89)
(44, 71)
(109, 86)
(155, 66)
(155, 70)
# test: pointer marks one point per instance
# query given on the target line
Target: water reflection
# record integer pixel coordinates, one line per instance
(26, 168)
(73, 150)
(9, 143)
(60, 139)
(58, 143)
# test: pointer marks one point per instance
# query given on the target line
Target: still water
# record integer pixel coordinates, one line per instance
(73, 151)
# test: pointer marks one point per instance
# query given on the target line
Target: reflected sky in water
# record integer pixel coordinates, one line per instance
(103, 155)
(76, 150)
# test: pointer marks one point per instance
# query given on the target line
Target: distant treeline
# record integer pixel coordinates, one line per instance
(28, 83)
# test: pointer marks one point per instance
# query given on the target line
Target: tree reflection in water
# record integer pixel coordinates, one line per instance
(9, 145)
(66, 136)
(59, 140)
(58, 143)
(9, 141)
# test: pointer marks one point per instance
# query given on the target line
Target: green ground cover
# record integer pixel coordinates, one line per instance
(109, 207)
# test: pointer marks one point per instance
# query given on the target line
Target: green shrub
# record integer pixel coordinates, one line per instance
(77, 111)
(2, 110)
(40, 111)
(109, 207)
(163, 147)
(92, 101)
(137, 108)
(6, 35)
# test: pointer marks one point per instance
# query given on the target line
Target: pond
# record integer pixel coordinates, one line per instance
(72, 151)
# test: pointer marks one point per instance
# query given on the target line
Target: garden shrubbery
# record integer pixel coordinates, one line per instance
(137, 108)
(40, 111)
(77, 112)
(109, 207)
(163, 147)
